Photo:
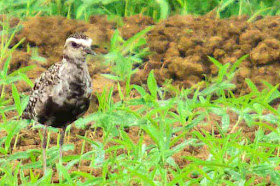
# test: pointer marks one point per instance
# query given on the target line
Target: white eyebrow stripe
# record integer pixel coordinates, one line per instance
(80, 41)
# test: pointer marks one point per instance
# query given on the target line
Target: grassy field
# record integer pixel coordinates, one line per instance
(158, 9)
(206, 117)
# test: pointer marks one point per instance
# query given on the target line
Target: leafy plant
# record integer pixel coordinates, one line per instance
(9, 79)
(10, 127)
(124, 54)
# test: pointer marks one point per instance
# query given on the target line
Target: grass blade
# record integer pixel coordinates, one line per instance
(16, 99)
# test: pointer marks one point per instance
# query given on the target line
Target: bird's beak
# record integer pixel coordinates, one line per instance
(89, 51)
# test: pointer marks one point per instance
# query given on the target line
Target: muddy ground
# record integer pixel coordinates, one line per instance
(179, 45)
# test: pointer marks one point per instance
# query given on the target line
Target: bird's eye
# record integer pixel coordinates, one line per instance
(75, 45)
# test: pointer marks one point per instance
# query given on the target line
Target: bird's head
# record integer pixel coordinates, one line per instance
(77, 46)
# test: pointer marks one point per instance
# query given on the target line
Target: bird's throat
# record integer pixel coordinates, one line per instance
(77, 61)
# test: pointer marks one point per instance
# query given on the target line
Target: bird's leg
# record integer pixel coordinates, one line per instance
(61, 139)
(44, 149)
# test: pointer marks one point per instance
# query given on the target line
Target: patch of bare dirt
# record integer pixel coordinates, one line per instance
(179, 45)
(182, 44)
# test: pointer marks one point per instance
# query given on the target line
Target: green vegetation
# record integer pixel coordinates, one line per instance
(168, 120)
(158, 9)
(124, 54)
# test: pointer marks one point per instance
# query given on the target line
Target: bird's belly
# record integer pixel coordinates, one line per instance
(67, 102)
(60, 115)
(64, 106)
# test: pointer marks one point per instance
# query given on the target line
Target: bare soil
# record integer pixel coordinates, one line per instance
(179, 45)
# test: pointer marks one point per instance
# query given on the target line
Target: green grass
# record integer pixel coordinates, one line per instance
(157, 9)
(124, 54)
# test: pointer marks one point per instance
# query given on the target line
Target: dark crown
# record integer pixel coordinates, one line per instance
(79, 35)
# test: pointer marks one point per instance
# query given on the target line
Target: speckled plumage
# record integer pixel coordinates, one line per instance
(79, 35)
(60, 95)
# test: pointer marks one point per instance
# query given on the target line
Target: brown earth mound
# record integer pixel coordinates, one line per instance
(182, 44)
(179, 45)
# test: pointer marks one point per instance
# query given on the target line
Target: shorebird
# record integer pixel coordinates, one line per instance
(62, 94)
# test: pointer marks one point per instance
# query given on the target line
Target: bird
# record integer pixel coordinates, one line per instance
(62, 94)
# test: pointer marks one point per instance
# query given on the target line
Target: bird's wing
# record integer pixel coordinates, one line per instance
(41, 87)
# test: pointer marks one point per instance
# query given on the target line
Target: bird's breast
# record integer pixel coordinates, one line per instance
(73, 87)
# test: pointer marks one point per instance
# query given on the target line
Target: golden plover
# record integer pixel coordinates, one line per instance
(62, 94)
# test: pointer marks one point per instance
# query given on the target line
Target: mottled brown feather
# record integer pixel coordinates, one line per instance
(47, 78)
